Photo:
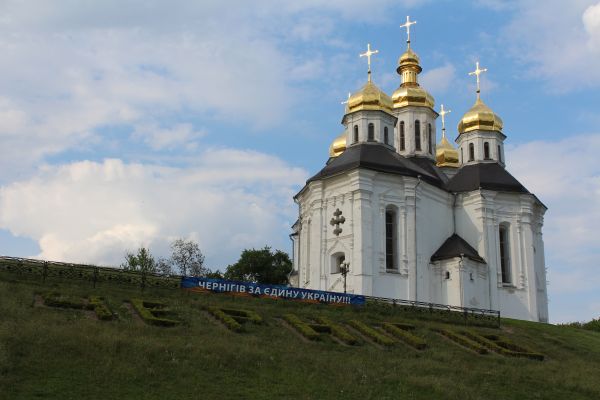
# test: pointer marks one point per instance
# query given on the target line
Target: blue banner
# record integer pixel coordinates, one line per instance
(273, 291)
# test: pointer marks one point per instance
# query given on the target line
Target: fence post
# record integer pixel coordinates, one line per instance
(45, 271)
(95, 276)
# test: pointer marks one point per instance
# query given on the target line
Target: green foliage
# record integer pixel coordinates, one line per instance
(56, 299)
(338, 331)
(502, 346)
(371, 333)
(154, 312)
(261, 266)
(226, 319)
(303, 328)
(215, 275)
(141, 262)
(462, 340)
(100, 308)
(593, 325)
(398, 330)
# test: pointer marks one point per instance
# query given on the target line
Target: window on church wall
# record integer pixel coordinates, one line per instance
(417, 135)
(504, 253)
(371, 131)
(486, 150)
(429, 144)
(390, 239)
(462, 159)
(355, 133)
(402, 137)
(471, 152)
(336, 261)
(499, 154)
(385, 135)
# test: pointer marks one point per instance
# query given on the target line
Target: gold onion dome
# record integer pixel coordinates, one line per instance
(445, 154)
(369, 97)
(480, 117)
(410, 93)
(338, 146)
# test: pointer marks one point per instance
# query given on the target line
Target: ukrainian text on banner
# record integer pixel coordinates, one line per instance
(277, 291)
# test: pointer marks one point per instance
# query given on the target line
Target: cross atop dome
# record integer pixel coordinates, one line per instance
(443, 113)
(407, 26)
(478, 71)
(368, 54)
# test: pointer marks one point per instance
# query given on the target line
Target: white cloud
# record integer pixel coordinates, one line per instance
(92, 212)
(438, 80)
(178, 136)
(558, 42)
(565, 175)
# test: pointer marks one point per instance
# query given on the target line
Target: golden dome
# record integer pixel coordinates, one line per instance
(480, 117)
(338, 146)
(369, 97)
(410, 93)
(445, 154)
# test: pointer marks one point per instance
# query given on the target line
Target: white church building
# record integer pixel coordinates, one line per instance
(416, 220)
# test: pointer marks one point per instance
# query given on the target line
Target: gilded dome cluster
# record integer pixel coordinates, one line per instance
(480, 117)
(369, 97)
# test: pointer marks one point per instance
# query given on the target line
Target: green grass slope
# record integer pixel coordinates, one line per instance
(66, 353)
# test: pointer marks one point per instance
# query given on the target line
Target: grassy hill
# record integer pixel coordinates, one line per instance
(50, 352)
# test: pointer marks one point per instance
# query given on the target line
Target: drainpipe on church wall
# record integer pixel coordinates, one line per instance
(460, 279)
(416, 250)
(487, 247)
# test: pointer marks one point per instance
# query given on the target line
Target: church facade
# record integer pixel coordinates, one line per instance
(418, 220)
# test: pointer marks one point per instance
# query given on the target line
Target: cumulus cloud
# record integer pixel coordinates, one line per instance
(565, 175)
(438, 80)
(558, 41)
(94, 211)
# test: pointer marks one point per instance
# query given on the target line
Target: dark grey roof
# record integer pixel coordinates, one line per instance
(490, 176)
(381, 158)
(454, 246)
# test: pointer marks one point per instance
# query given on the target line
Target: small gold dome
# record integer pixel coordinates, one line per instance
(338, 146)
(369, 97)
(480, 117)
(410, 93)
(445, 154)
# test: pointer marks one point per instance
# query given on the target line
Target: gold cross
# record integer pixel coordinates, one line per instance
(478, 71)
(368, 54)
(346, 102)
(407, 26)
(443, 113)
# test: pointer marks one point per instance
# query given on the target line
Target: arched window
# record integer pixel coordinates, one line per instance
(355, 133)
(385, 135)
(402, 137)
(429, 144)
(462, 159)
(499, 154)
(390, 238)
(504, 252)
(486, 150)
(471, 152)
(371, 132)
(336, 261)
(417, 135)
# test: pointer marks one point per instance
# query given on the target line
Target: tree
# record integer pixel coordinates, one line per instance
(140, 262)
(164, 267)
(188, 258)
(261, 266)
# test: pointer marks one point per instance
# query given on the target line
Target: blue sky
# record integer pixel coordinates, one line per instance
(129, 123)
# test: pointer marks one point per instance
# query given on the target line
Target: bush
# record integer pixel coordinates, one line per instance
(152, 312)
(226, 319)
(338, 331)
(371, 333)
(503, 346)
(408, 338)
(462, 340)
(303, 328)
(55, 299)
(100, 308)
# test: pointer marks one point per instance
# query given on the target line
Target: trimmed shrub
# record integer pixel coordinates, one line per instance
(371, 333)
(503, 346)
(226, 319)
(243, 315)
(55, 299)
(153, 312)
(338, 331)
(405, 336)
(100, 308)
(462, 340)
(303, 328)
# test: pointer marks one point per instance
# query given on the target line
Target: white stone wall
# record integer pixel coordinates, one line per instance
(409, 115)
